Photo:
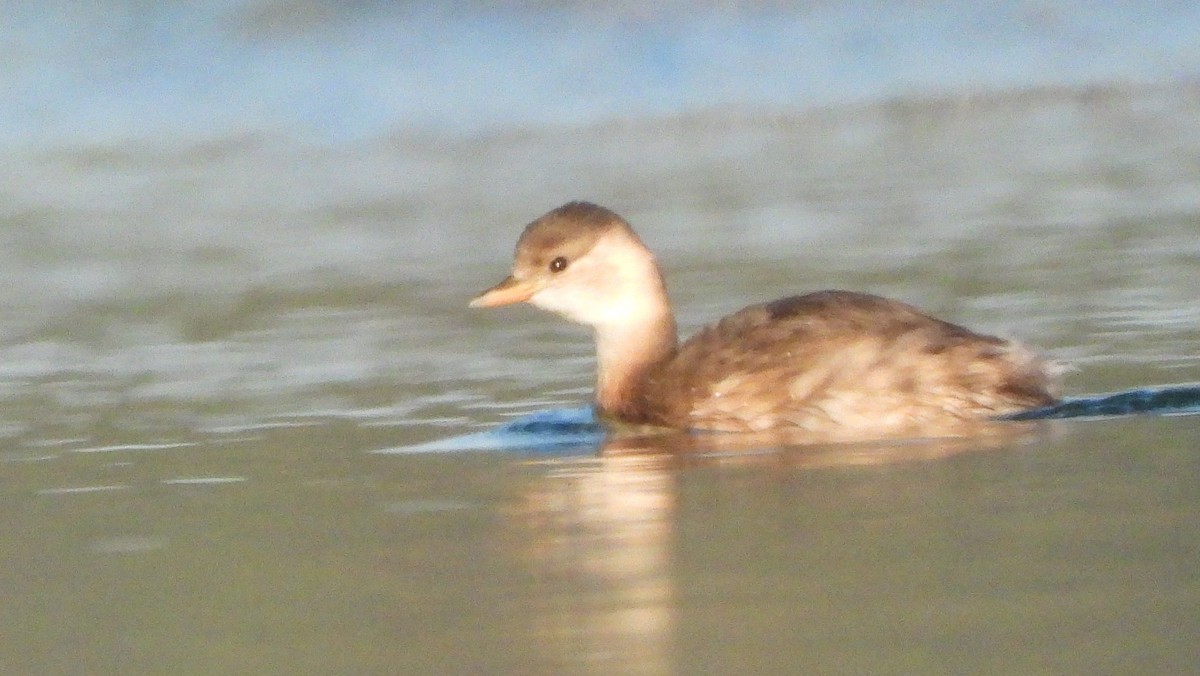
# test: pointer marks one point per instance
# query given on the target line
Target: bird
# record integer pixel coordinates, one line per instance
(835, 365)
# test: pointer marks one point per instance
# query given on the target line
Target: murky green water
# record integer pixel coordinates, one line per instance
(203, 345)
(293, 551)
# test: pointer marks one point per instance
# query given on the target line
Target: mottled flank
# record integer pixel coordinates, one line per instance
(837, 361)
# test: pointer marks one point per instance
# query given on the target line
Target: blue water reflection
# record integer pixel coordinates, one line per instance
(1177, 400)
(557, 431)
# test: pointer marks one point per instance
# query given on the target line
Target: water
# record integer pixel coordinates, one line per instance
(236, 364)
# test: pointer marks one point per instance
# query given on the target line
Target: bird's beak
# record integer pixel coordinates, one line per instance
(507, 292)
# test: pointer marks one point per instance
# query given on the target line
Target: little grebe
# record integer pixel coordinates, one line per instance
(837, 364)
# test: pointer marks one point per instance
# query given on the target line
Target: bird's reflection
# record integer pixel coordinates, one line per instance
(600, 533)
(795, 448)
(600, 545)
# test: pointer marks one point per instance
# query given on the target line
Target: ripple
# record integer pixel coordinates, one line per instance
(135, 447)
(203, 481)
(74, 490)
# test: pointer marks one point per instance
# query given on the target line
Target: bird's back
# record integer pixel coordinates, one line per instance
(844, 365)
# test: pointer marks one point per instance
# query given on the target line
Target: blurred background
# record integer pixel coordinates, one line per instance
(334, 72)
(237, 240)
(260, 200)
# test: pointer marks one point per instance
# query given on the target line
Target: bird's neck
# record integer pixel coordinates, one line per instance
(626, 352)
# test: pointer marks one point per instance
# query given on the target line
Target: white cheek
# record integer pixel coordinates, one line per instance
(579, 304)
(587, 306)
(560, 301)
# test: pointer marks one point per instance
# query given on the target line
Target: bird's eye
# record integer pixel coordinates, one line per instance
(558, 264)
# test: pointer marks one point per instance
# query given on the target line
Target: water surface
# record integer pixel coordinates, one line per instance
(209, 333)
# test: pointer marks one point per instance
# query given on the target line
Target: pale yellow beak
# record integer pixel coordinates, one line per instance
(507, 292)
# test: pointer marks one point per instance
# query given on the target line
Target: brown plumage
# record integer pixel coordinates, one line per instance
(837, 364)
